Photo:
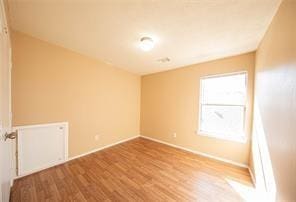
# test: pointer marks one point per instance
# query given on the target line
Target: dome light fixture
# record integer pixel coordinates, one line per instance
(146, 43)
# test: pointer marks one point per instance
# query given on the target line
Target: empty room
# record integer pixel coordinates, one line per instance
(148, 100)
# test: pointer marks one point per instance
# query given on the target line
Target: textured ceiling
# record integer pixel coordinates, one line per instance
(187, 32)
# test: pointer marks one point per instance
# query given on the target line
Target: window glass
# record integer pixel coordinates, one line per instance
(222, 107)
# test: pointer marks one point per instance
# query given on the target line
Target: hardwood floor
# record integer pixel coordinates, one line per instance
(137, 170)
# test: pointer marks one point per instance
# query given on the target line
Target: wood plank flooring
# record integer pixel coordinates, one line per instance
(137, 170)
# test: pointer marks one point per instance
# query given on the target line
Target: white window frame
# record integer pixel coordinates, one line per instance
(241, 139)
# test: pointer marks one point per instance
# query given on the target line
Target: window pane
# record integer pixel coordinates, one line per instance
(224, 90)
(224, 121)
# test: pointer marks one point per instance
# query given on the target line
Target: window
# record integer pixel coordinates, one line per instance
(223, 106)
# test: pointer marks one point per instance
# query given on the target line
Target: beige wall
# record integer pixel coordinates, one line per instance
(53, 84)
(170, 104)
(275, 93)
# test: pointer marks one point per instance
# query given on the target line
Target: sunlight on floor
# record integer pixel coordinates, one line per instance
(247, 193)
(265, 181)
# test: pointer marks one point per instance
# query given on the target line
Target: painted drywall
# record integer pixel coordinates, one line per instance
(275, 95)
(170, 104)
(53, 84)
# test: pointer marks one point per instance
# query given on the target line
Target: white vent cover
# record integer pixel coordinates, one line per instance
(164, 60)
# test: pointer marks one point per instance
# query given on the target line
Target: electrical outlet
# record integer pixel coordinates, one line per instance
(97, 137)
(174, 135)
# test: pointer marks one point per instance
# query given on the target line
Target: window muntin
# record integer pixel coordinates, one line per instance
(223, 106)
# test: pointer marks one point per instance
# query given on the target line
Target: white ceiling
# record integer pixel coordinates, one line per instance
(187, 32)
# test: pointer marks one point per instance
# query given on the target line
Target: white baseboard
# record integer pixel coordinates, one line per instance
(104, 147)
(78, 156)
(252, 176)
(155, 140)
(199, 153)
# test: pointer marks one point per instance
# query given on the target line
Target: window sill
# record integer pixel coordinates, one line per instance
(211, 135)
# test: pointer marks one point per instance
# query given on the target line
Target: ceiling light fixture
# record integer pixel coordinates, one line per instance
(146, 43)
